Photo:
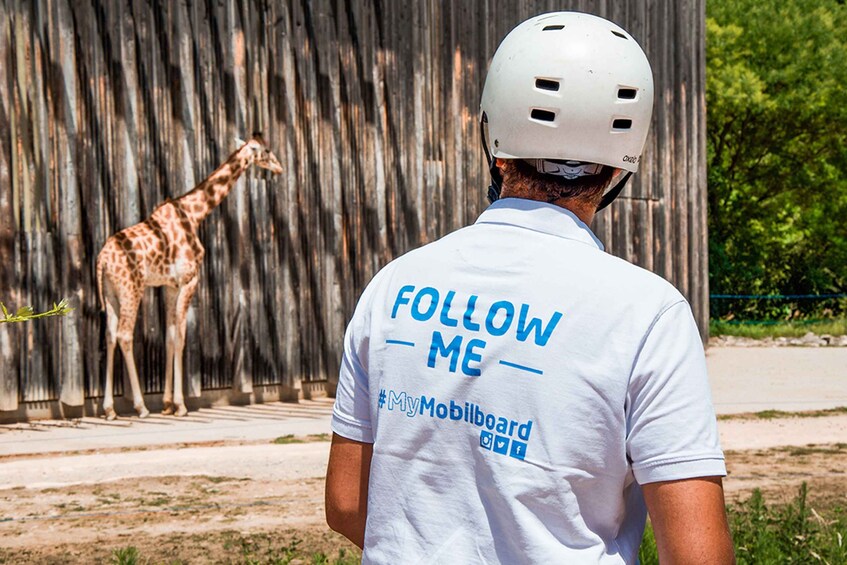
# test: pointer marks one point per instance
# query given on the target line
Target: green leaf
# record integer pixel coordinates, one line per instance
(25, 312)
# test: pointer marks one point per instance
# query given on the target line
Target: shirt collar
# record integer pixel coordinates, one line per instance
(541, 217)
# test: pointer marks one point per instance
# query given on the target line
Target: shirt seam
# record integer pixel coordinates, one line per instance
(690, 458)
(646, 335)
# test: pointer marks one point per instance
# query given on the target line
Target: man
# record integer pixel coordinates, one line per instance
(511, 393)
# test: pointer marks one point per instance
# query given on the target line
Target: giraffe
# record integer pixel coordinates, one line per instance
(164, 250)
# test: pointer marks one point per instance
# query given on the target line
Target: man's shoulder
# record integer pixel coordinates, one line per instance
(633, 279)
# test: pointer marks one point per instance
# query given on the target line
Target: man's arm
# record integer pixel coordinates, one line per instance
(689, 521)
(347, 487)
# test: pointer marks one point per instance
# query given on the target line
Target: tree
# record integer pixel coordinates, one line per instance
(777, 146)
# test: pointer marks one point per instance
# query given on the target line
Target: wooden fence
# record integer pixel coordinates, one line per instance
(109, 107)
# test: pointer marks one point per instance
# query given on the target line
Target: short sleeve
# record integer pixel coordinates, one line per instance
(351, 414)
(671, 428)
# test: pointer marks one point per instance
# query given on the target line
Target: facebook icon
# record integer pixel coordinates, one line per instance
(518, 450)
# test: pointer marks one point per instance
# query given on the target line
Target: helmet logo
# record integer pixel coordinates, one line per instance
(631, 158)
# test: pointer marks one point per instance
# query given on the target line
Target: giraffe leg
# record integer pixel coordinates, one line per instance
(126, 326)
(171, 296)
(111, 342)
(185, 295)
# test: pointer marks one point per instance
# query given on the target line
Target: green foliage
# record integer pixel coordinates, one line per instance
(291, 438)
(648, 553)
(797, 328)
(261, 550)
(26, 313)
(777, 146)
(126, 556)
(776, 535)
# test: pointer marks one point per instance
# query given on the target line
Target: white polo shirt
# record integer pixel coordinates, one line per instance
(518, 383)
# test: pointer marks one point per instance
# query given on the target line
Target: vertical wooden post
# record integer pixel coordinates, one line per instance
(8, 332)
(235, 62)
(72, 391)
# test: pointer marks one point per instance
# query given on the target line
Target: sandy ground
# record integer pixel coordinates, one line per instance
(169, 502)
(216, 488)
(748, 379)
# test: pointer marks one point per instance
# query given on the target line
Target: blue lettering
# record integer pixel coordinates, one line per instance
(395, 399)
(456, 412)
(478, 416)
(507, 307)
(524, 430)
(466, 320)
(433, 305)
(427, 404)
(439, 348)
(472, 356)
(445, 311)
(401, 299)
(534, 325)
(441, 411)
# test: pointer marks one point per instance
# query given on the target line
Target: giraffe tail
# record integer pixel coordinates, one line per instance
(99, 274)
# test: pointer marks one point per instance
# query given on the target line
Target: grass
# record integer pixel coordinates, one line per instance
(772, 535)
(834, 327)
(774, 414)
(291, 438)
(254, 550)
(126, 556)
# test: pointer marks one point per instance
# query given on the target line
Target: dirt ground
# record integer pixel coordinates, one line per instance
(265, 500)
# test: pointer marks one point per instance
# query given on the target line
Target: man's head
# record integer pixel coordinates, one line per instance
(565, 109)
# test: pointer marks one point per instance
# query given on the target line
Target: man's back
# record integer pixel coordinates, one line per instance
(516, 381)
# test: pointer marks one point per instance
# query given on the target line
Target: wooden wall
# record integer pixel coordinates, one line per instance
(108, 107)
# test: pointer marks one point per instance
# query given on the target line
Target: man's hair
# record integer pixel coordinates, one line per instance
(522, 180)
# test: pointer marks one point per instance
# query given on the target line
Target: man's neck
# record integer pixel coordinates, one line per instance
(582, 208)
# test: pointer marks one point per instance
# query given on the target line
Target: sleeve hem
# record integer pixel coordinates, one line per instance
(678, 470)
(351, 430)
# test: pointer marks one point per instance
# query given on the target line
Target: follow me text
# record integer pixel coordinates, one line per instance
(424, 303)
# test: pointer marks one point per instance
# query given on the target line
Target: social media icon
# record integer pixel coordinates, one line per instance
(486, 439)
(518, 450)
(501, 445)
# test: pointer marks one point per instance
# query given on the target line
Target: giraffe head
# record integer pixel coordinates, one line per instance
(258, 153)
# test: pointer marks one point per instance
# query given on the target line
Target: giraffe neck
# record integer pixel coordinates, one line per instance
(206, 196)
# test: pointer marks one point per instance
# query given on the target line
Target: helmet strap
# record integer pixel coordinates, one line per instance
(493, 169)
(612, 194)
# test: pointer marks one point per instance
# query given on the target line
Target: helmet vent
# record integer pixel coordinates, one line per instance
(626, 93)
(619, 34)
(545, 84)
(621, 124)
(542, 115)
(553, 28)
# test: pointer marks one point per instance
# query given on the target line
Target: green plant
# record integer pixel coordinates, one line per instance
(288, 438)
(126, 556)
(26, 313)
(780, 534)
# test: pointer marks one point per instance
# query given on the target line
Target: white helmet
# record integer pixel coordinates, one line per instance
(568, 87)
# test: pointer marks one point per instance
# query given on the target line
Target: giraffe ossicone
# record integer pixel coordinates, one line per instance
(164, 250)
